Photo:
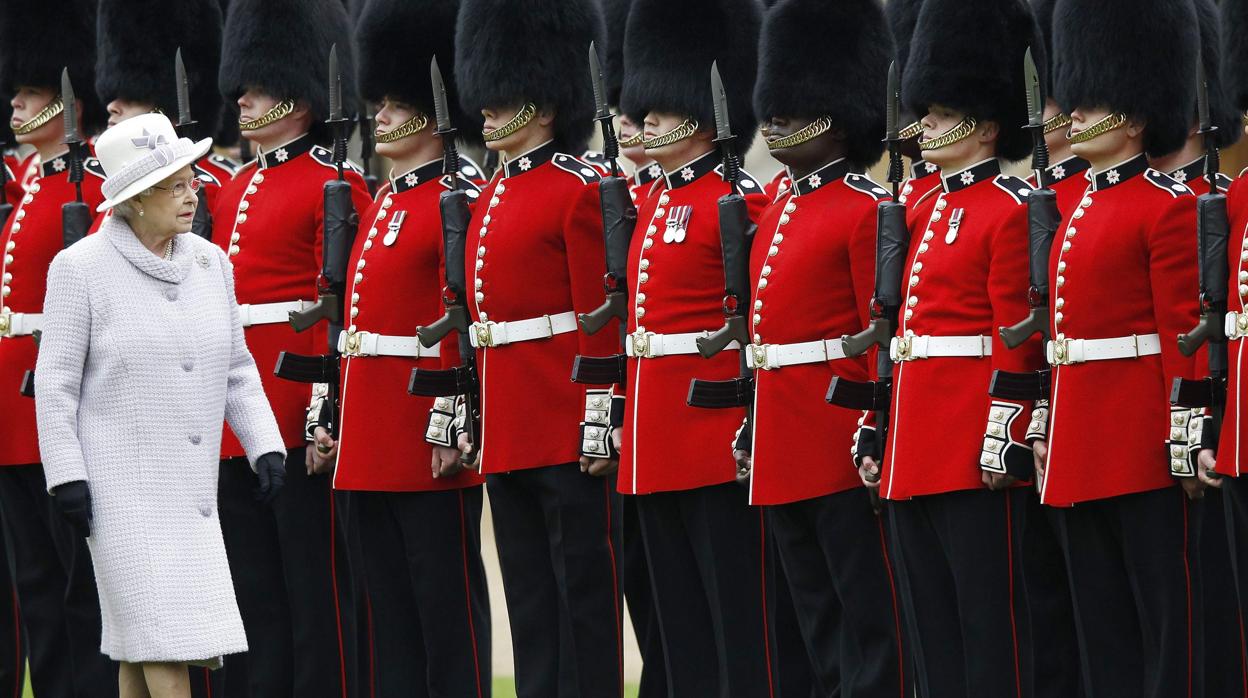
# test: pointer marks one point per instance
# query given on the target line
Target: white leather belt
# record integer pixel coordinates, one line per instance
(1076, 351)
(769, 356)
(925, 346)
(371, 344)
(268, 313)
(651, 345)
(1236, 325)
(20, 324)
(497, 334)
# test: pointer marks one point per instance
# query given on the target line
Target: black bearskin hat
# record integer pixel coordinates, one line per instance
(902, 15)
(137, 42)
(398, 39)
(509, 52)
(615, 14)
(1235, 45)
(1133, 56)
(282, 47)
(39, 39)
(820, 58)
(668, 51)
(1221, 111)
(1043, 11)
(980, 75)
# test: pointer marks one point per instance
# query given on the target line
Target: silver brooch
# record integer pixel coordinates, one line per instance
(202, 259)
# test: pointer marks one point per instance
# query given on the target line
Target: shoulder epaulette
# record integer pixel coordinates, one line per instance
(746, 183)
(224, 163)
(597, 159)
(1224, 182)
(469, 168)
(1241, 172)
(325, 156)
(1166, 183)
(1017, 188)
(93, 166)
(467, 185)
(864, 184)
(205, 176)
(575, 166)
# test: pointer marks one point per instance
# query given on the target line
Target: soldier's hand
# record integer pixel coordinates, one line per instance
(465, 447)
(1040, 453)
(1193, 486)
(1206, 460)
(745, 462)
(322, 455)
(997, 481)
(598, 467)
(869, 471)
(444, 460)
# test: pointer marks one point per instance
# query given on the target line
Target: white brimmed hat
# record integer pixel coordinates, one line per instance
(141, 152)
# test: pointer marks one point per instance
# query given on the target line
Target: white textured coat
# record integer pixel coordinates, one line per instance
(140, 362)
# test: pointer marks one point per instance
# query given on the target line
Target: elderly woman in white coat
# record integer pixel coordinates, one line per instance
(141, 360)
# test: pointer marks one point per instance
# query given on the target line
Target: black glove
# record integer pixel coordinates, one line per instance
(74, 501)
(271, 470)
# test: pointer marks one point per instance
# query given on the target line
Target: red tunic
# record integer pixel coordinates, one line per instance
(399, 289)
(535, 248)
(269, 219)
(677, 287)
(818, 286)
(968, 277)
(1128, 269)
(1068, 179)
(31, 238)
(1232, 445)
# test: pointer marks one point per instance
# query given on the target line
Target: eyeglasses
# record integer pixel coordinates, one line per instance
(180, 189)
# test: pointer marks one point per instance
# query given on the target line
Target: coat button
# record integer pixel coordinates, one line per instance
(205, 511)
(928, 236)
(244, 205)
(649, 242)
(235, 237)
(766, 270)
(234, 250)
(258, 178)
(923, 247)
(645, 264)
(359, 278)
(252, 189)
(194, 439)
(188, 366)
(1061, 267)
(171, 294)
(643, 277)
(368, 245)
(242, 218)
(935, 216)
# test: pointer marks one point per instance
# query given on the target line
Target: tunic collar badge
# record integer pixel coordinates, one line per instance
(1120, 173)
(527, 162)
(285, 153)
(978, 172)
(692, 171)
(821, 177)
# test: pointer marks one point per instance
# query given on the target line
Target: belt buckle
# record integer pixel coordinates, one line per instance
(1236, 327)
(6, 324)
(484, 332)
(905, 348)
(1061, 352)
(641, 344)
(353, 343)
(758, 353)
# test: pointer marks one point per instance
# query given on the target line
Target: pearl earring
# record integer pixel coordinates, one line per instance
(140, 213)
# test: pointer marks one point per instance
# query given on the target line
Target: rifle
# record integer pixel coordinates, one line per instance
(339, 230)
(456, 215)
(736, 231)
(202, 224)
(1043, 219)
(892, 245)
(1212, 231)
(619, 217)
(6, 208)
(75, 215)
(367, 150)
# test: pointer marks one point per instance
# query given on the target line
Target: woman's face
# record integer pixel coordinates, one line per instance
(170, 207)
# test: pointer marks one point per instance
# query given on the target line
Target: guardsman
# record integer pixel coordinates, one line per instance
(420, 529)
(1118, 460)
(55, 582)
(536, 258)
(956, 458)
(822, 76)
(288, 560)
(705, 545)
(1232, 459)
(924, 176)
(1225, 668)
(135, 71)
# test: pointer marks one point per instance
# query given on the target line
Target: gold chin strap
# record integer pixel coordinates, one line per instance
(1110, 123)
(961, 132)
(48, 113)
(813, 130)
(280, 111)
(912, 131)
(1059, 120)
(519, 121)
(687, 128)
(416, 124)
(635, 141)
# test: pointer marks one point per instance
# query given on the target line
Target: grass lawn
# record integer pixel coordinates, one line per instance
(503, 688)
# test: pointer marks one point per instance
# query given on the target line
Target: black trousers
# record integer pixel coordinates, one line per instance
(834, 552)
(1235, 512)
(427, 592)
(12, 632)
(1224, 647)
(707, 550)
(636, 582)
(56, 591)
(960, 552)
(795, 669)
(1055, 647)
(558, 536)
(292, 581)
(1134, 566)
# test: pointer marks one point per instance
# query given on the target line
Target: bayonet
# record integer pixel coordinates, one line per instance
(441, 111)
(75, 215)
(184, 94)
(335, 85)
(1035, 117)
(602, 111)
(892, 130)
(723, 127)
(70, 112)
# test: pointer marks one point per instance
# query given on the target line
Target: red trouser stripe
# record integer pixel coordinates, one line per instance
(762, 568)
(615, 588)
(892, 588)
(1009, 555)
(1187, 575)
(333, 576)
(472, 627)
